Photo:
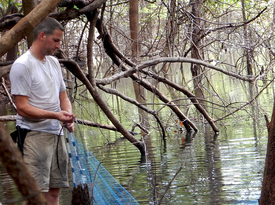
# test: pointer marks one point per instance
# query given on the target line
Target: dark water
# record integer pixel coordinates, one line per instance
(207, 169)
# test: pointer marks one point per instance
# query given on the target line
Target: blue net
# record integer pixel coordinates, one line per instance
(86, 169)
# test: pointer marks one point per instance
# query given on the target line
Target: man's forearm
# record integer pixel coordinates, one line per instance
(65, 105)
(33, 112)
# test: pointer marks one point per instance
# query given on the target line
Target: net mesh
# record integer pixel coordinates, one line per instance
(87, 170)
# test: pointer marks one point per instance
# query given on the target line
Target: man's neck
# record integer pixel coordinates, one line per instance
(37, 54)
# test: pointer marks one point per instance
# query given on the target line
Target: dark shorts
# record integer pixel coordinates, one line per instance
(47, 161)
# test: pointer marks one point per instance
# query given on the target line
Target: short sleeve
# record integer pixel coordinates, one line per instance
(20, 78)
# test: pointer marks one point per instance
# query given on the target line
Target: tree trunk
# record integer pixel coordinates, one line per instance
(248, 52)
(268, 186)
(171, 29)
(195, 49)
(134, 28)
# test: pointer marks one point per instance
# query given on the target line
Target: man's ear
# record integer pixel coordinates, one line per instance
(41, 36)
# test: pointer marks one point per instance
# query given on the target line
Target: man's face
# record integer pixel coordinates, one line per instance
(52, 42)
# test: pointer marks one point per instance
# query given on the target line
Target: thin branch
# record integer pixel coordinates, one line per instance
(5, 71)
(8, 94)
(191, 96)
(6, 118)
(174, 177)
(218, 119)
(135, 102)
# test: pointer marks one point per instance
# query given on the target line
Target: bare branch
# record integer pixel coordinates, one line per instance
(73, 67)
(8, 94)
(191, 60)
(6, 118)
(5, 71)
(191, 96)
(135, 102)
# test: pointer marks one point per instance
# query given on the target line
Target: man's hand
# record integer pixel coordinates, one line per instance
(69, 126)
(65, 117)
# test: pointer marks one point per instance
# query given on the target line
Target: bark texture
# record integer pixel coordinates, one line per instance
(134, 29)
(28, 6)
(268, 186)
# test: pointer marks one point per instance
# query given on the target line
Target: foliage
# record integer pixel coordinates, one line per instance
(5, 4)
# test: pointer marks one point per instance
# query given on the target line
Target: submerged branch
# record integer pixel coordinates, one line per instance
(173, 178)
(133, 101)
(190, 95)
(118, 58)
(73, 67)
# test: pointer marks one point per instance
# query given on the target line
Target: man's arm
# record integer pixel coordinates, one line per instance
(65, 105)
(24, 109)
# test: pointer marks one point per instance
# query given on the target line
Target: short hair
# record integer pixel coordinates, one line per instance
(48, 25)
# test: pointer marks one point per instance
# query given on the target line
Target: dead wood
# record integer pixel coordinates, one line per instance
(5, 71)
(186, 122)
(190, 95)
(72, 3)
(95, 124)
(86, 7)
(118, 58)
(72, 13)
(7, 92)
(5, 118)
(194, 61)
(135, 102)
(73, 67)
(171, 181)
(246, 104)
(9, 21)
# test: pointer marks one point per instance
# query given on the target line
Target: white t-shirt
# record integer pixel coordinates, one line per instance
(41, 82)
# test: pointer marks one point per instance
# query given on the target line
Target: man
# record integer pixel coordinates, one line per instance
(42, 103)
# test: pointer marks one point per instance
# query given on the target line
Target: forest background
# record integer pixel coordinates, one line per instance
(182, 61)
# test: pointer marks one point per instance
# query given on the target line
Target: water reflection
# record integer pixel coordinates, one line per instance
(224, 169)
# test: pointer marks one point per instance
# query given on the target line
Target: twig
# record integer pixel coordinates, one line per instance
(218, 119)
(8, 94)
(169, 184)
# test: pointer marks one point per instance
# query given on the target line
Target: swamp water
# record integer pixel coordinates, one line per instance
(207, 169)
